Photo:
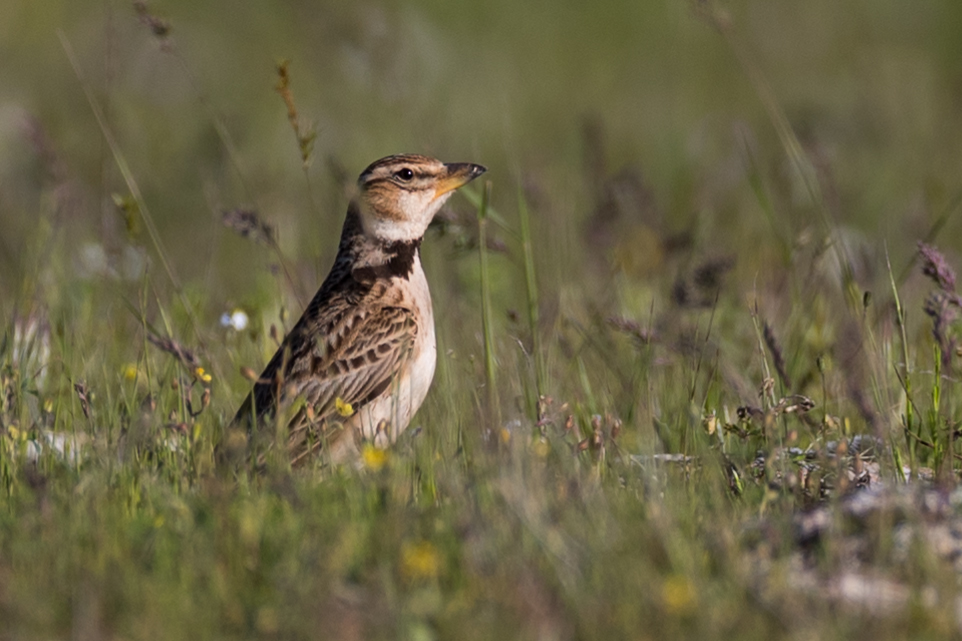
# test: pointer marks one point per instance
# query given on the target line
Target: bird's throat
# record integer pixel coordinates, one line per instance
(378, 260)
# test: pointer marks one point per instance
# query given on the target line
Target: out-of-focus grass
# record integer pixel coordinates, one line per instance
(687, 258)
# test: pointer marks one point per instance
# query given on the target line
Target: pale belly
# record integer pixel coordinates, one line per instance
(382, 421)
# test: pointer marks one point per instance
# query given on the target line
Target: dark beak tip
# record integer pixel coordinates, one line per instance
(468, 169)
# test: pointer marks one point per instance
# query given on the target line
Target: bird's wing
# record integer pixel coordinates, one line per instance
(351, 354)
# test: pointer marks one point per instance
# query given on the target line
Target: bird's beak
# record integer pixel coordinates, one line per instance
(458, 174)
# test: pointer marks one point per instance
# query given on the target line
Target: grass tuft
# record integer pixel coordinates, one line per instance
(680, 392)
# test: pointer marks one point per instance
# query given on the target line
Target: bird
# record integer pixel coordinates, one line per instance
(358, 363)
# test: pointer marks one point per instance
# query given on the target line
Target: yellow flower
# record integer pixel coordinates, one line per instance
(678, 595)
(374, 458)
(202, 375)
(344, 408)
(420, 561)
(541, 448)
(130, 372)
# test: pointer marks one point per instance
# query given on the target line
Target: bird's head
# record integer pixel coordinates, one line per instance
(399, 195)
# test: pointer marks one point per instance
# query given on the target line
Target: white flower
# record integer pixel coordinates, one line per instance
(236, 320)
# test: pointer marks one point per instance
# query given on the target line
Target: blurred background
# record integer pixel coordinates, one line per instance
(645, 137)
(716, 191)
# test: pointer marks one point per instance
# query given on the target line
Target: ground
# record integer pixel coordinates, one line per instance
(698, 369)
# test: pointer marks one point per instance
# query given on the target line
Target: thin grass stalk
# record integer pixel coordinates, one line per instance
(305, 145)
(954, 205)
(531, 290)
(701, 352)
(235, 158)
(951, 445)
(877, 377)
(770, 398)
(940, 444)
(903, 377)
(486, 318)
(132, 185)
(492, 214)
(757, 185)
(786, 134)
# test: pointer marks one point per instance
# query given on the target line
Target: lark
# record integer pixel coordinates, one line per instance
(358, 364)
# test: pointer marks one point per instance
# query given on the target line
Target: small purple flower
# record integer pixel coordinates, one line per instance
(936, 267)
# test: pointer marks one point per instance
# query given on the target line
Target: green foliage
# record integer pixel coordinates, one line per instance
(691, 314)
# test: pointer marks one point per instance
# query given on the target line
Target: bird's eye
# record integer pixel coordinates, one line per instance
(404, 174)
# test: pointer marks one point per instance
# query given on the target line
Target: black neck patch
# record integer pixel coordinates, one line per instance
(398, 262)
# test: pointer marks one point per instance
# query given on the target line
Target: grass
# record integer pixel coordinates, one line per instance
(691, 281)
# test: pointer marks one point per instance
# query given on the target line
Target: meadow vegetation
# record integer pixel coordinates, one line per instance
(698, 369)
